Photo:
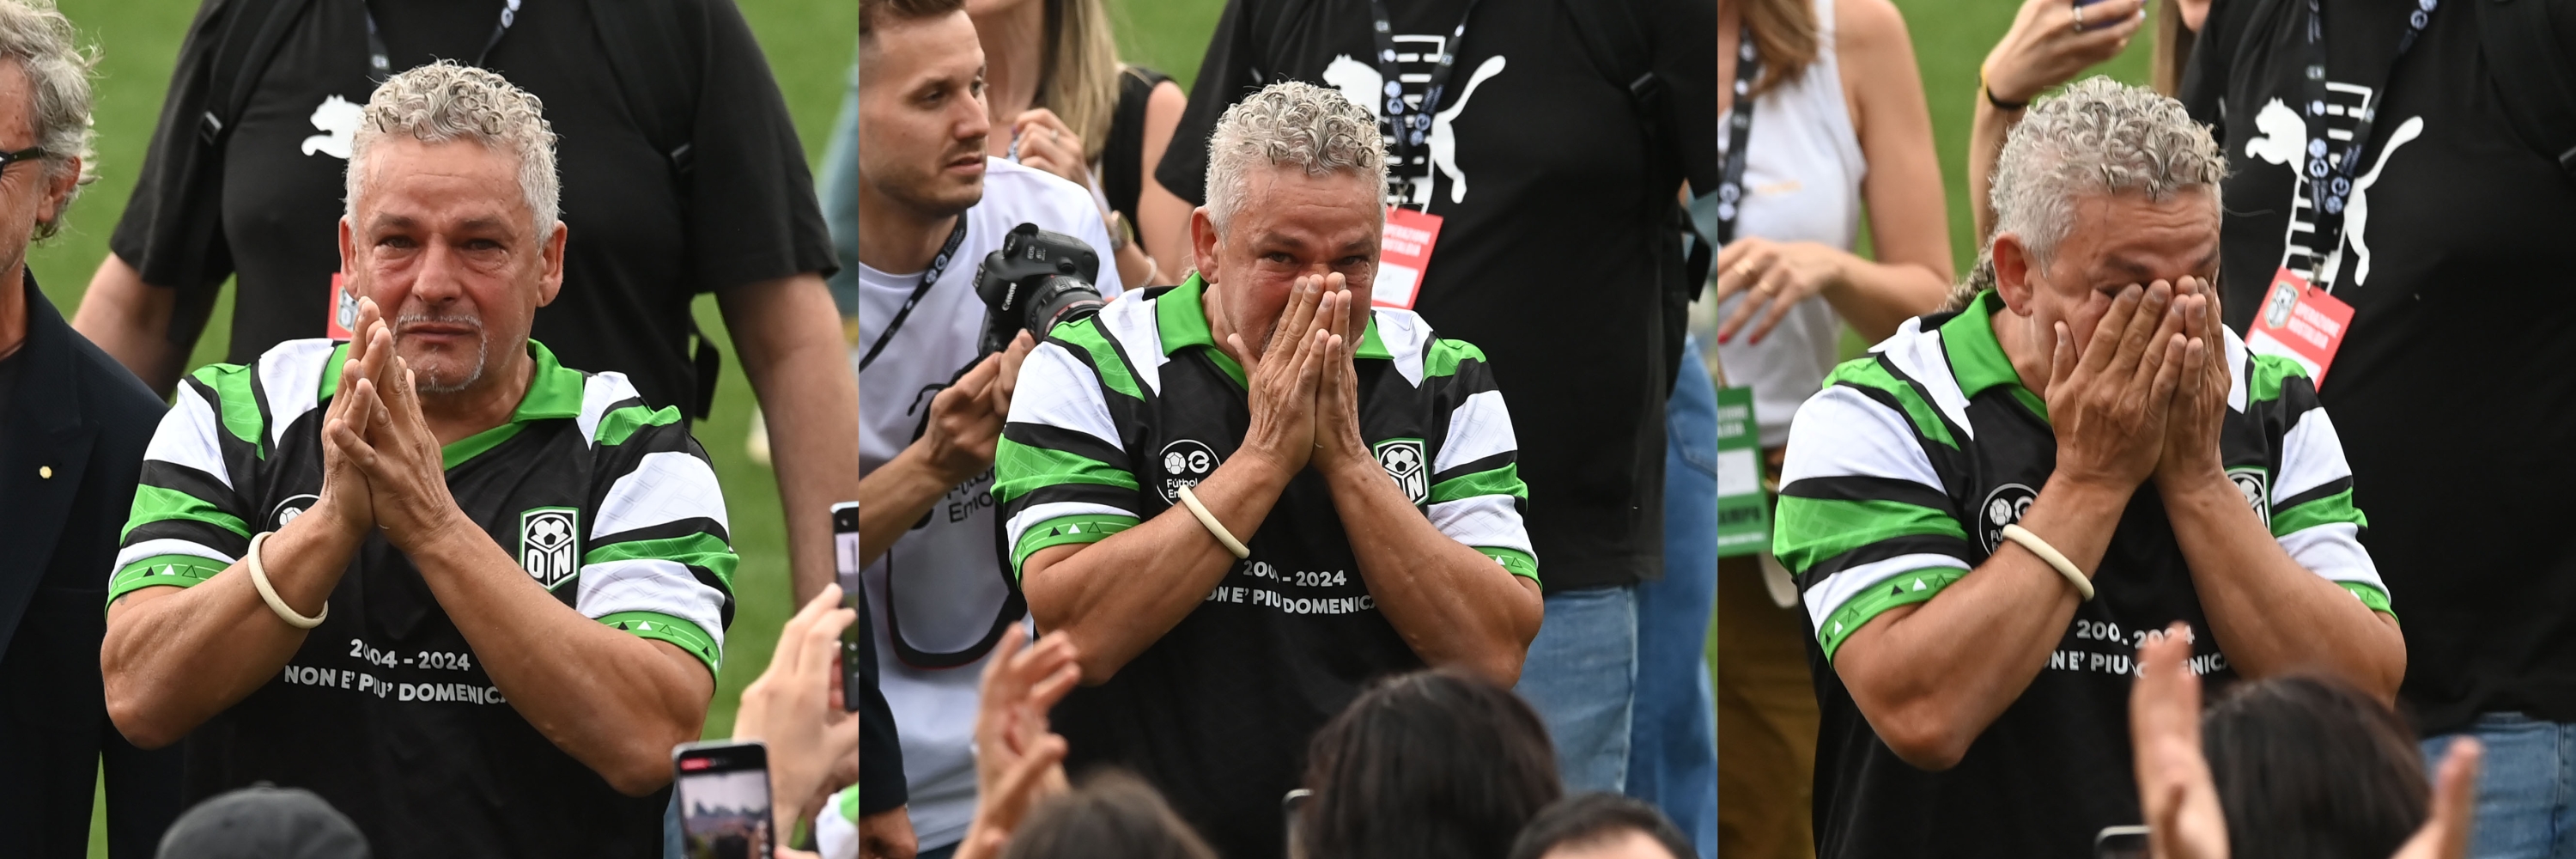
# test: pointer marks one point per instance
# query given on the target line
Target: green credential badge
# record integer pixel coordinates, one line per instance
(1743, 513)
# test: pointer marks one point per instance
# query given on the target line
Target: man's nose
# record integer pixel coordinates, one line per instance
(971, 121)
(437, 280)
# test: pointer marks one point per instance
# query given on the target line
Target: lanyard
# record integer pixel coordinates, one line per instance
(380, 64)
(938, 266)
(1408, 126)
(1739, 126)
(2330, 187)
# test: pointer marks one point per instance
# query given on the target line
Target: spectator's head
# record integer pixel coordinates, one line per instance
(44, 107)
(1428, 765)
(263, 823)
(451, 223)
(921, 108)
(1601, 826)
(2103, 186)
(2307, 768)
(1296, 180)
(1112, 814)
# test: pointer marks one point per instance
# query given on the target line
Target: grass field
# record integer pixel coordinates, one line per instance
(808, 44)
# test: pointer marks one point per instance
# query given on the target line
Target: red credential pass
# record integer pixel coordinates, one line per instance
(1403, 255)
(344, 310)
(2301, 323)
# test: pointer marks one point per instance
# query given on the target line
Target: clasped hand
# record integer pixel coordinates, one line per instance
(1303, 388)
(2146, 396)
(381, 464)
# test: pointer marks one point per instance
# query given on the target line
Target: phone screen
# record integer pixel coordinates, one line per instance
(2121, 842)
(845, 550)
(723, 792)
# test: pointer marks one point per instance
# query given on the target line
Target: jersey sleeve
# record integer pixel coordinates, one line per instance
(189, 522)
(1477, 497)
(657, 559)
(1060, 473)
(1863, 519)
(2312, 513)
(1227, 74)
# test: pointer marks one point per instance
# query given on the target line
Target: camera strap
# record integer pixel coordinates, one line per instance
(2331, 186)
(380, 63)
(938, 266)
(1739, 128)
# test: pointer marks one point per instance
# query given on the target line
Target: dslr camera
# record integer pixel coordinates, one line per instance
(1038, 280)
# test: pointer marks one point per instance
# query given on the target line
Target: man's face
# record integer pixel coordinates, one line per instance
(2116, 240)
(1291, 224)
(445, 244)
(33, 191)
(921, 114)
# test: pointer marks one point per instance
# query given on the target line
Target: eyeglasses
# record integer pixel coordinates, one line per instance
(27, 154)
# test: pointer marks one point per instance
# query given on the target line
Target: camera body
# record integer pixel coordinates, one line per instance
(1038, 280)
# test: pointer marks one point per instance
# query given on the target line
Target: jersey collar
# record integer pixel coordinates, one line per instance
(1977, 359)
(554, 393)
(1180, 316)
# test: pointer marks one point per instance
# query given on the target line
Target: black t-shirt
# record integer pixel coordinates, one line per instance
(1545, 257)
(644, 239)
(2449, 379)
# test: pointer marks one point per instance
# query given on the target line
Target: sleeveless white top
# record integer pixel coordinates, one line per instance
(1802, 174)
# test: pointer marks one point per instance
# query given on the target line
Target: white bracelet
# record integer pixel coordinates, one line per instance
(2018, 534)
(259, 579)
(1215, 528)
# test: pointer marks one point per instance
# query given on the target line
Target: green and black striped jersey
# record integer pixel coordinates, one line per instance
(386, 710)
(1900, 477)
(1113, 414)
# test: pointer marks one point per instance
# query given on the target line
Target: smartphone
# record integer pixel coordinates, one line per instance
(2120, 842)
(723, 791)
(845, 550)
(1293, 808)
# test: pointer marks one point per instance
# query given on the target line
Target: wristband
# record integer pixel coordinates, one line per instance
(259, 579)
(1215, 528)
(1988, 90)
(2018, 534)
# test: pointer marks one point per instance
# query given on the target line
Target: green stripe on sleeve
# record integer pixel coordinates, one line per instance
(162, 571)
(1811, 531)
(695, 550)
(2265, 374)
(1444, 356)
(1111, 368)
(1867, 372)
(1493, 481)
(1084, 528)
(235, 403)
(1905, 588)
(662, 627)
(1019, 469)
(1521, 563)
(2323, 511)
(621, 424)
(162, 503)
(2370, 595)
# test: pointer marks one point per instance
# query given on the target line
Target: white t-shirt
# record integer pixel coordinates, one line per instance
(949, 577)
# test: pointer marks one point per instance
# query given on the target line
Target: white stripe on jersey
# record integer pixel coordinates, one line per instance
(651, 584)
(1485, 521)
(1056, 390)
(666, 486)
(1036, 513)
(168, 546)
(2236, 361)
(1132, 324)
(187, 437)
(1919, 354)
(598, 392)
(1841, 432)
(1828, 595)
(1479, 427)
(2311, 456)
(2333, 551)
(290, 374)
(1405, 335)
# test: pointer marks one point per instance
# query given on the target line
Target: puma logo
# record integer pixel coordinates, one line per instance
(339, 120)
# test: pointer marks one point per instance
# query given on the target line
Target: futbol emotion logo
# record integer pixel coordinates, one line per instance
(546, 542)
(1185, 463)
(2004, 506)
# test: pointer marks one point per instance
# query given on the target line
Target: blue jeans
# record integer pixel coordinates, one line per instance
(2527, 793)
(1672, 745)
(1581, 675)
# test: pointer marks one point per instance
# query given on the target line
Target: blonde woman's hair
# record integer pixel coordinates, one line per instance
(1785, 33)
(1081, 82)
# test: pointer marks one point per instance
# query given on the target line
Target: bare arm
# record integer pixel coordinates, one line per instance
(131, 320)
(789, 336)
(1909, 222)
(1162, 217)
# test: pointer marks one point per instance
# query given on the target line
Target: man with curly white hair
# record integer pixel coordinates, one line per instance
(1990, 513)
(468, 595)
(1247, 496)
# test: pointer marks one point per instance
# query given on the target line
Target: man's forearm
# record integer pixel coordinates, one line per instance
(174, 657)
(1451, 603)
(130, 320)
(613, 701)
(895, 495)
(1117, 597)
(789, 336)
(2271, 615)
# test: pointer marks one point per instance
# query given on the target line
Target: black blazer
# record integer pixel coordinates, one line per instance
(71, 451)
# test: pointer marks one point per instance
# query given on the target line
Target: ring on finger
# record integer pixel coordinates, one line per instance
(1744, 269)
(2079, 17)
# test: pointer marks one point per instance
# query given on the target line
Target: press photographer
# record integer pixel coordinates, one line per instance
(931, 206)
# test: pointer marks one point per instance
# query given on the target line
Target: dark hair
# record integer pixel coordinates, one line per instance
(2308, 767)
(1593, 818)
(1428, 765)
(1112, 814)
(263, 822)
(875, 13)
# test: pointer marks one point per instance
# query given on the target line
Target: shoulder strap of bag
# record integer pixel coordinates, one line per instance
(236, 72)
(2532, 75)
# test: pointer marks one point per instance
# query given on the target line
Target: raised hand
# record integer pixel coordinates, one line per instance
(2109, 404)
(966, 417)
(1337, 392)
(1018, 761)
(2046, 47)
(1772, 275)
(795, 707)
(2200, 396)
(344, 500)
(2455, 805)
(2181, 800)
(1282, 379)
(406, 471)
